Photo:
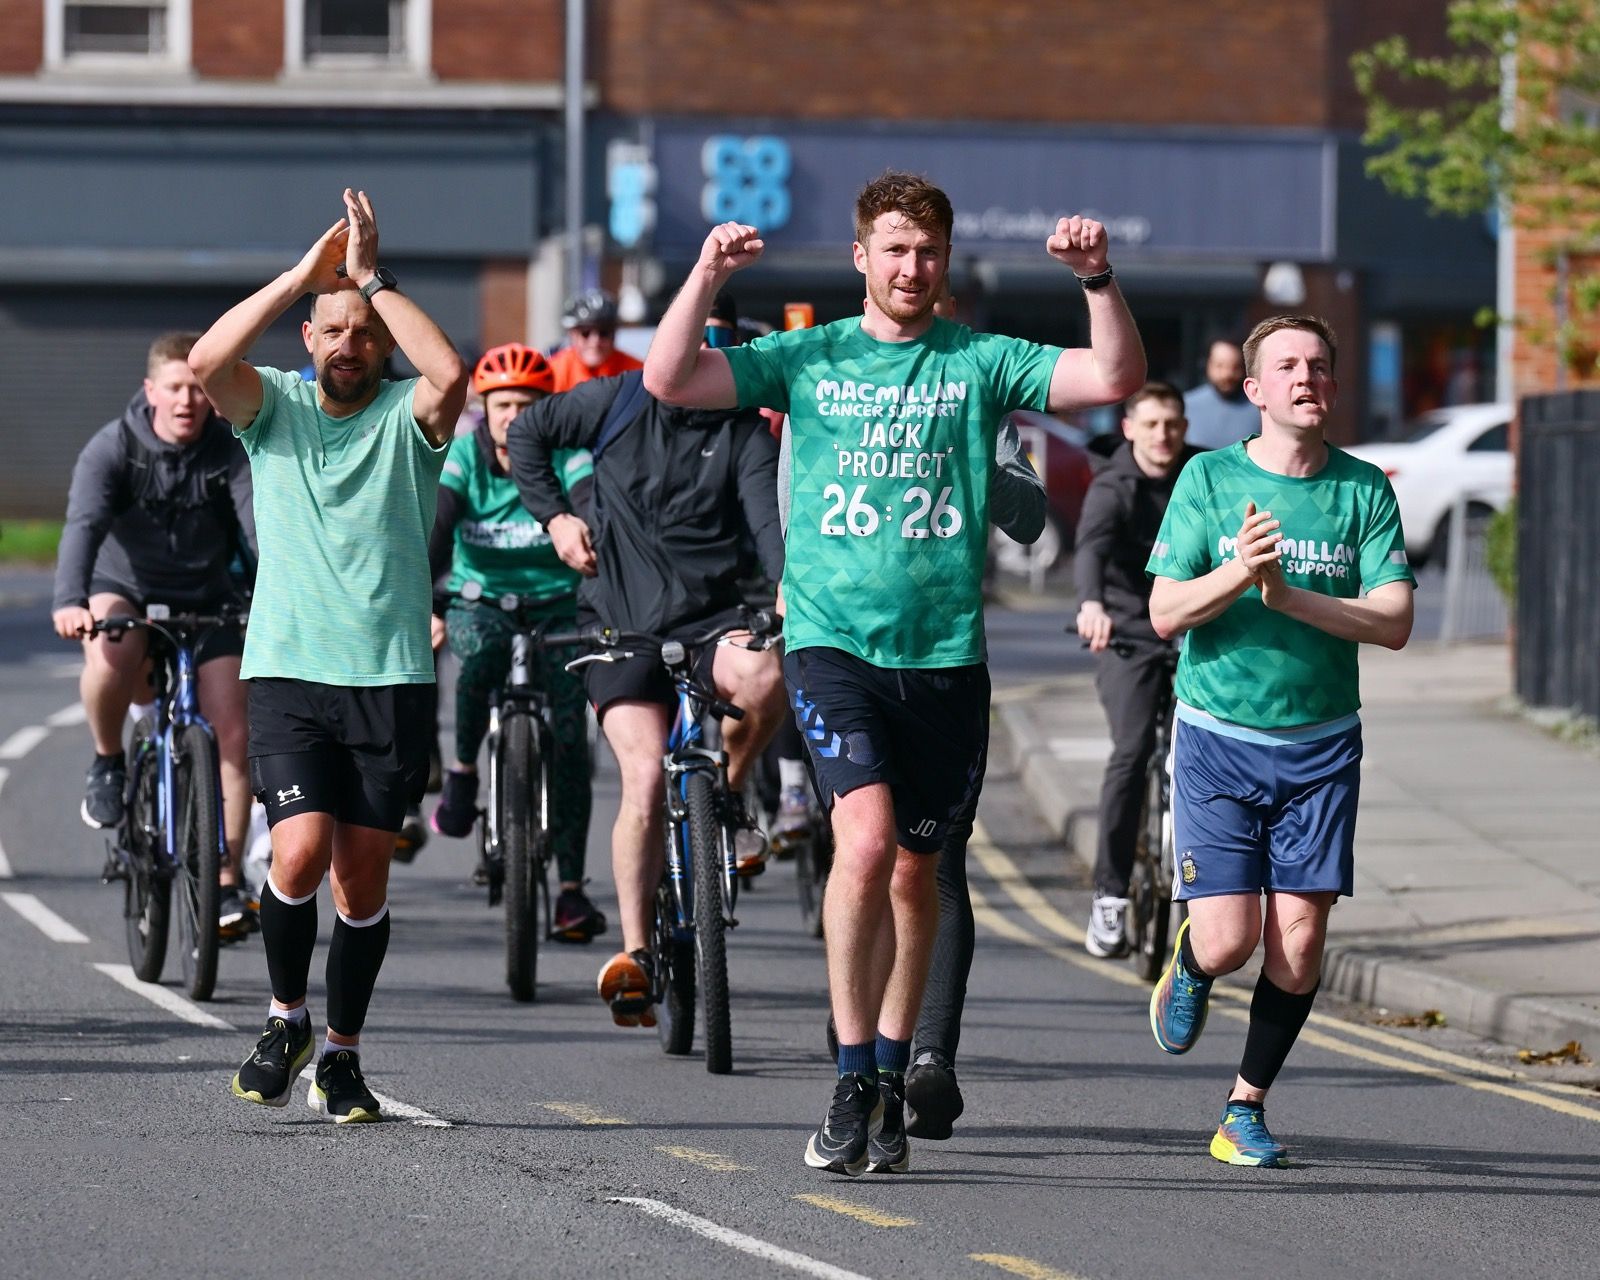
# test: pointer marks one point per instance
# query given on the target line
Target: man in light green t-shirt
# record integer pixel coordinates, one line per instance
(346, 474)
(1278, 555)
(892, 418)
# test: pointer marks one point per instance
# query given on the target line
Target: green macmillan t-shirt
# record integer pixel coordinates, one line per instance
(499, 543)
(893, 443)
(1251, 665)
(343, 511)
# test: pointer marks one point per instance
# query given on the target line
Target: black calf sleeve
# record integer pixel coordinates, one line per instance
(1275, 1021)
(289, 935)
(354, 959)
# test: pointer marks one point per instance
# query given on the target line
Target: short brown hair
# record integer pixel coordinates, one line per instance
(169, 346)
(908, 194)
(1153, 390)
(1273, 324)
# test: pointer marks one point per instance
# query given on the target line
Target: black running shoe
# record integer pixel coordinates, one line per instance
(281, 1054)
(577, 919)
(933, 1098)
(840, 1146)
(339, 1092)
(230, 910)
(102, 792)
(413, 835)
(888, 1151)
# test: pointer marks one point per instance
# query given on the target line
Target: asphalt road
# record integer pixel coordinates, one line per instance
(542, 1141)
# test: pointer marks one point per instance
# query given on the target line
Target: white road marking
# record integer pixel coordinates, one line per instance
(68, 716)
(42, 918)
(393, 1106)
(1080, 750)
(738, 1240)
(162, 998)
(6, 873)
(23, 741)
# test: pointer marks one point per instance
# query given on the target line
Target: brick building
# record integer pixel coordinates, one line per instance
(165, 156)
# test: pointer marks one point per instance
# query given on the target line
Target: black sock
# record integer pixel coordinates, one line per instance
(354, 959)
(1275, 1021)
(289, 935)
(116, 757)
(1186, 954)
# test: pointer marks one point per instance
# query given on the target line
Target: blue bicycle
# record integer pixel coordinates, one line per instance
(700, 884)
(171, 831)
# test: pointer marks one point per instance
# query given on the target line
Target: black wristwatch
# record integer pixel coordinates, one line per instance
(1099, 280)
(383, 279)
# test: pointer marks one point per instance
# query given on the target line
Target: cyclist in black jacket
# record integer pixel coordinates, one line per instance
(676, 495)
(160, 506)
(1121, 516)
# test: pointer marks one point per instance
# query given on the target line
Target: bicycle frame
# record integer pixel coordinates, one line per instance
(521, 695)
(688, 754)
(177, 704)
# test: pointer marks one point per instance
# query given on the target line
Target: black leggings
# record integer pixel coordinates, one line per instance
(480, 637)
(939, 1023)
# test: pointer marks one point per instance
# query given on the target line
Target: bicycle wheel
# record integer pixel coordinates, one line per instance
(674, 964)
(147, 893)
(198, 825)
(519, 832)
(812, 859)
(1151, 888)
(705, 854)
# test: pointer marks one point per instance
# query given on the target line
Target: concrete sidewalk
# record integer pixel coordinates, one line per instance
(1477, 848)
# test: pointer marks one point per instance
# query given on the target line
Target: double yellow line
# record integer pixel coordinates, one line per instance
(1323, 1031)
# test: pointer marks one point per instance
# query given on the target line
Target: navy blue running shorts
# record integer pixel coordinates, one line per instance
(923, 731)
(1253, 812)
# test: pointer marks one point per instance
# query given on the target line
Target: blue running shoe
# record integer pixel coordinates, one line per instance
(1178, 1004)
(1243, 1138)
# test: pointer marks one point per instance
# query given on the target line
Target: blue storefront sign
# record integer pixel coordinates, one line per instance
(1195, 195)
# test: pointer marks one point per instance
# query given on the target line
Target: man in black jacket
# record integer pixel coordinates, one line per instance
(1121, 516)
(160, 504)
(678, 494)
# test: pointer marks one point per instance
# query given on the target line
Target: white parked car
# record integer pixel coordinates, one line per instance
(1459, 452)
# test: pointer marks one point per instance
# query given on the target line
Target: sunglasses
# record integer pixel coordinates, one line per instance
(590, 331)
(721, 335)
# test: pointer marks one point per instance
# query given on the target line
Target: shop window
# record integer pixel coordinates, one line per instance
(344, 34)
(117, 33)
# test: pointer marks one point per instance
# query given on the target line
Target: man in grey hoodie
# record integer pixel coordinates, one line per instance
(159, 507)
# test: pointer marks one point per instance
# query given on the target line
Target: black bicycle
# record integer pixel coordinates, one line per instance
(514, 823)
(171, 830)
(700, 885)
(1150, 904)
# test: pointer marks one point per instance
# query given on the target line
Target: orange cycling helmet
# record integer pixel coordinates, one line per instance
(513, 367)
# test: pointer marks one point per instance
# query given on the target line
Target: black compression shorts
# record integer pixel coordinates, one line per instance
(357, 753)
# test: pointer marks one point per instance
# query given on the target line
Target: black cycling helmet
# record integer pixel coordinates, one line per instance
(593, 308)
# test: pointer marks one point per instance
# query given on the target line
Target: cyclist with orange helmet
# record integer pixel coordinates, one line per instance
(484, 535)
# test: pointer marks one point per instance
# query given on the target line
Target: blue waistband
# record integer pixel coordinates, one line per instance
(1267, 737)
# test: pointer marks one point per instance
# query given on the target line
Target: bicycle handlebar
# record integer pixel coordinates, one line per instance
(167, 623)
(760, 623)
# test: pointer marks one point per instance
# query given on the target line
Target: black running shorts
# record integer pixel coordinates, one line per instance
(357, 753)
(924, 732)
(644, 679)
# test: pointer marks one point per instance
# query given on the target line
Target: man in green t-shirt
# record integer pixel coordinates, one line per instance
(1278, 555)
(346, 473)
(892, 418)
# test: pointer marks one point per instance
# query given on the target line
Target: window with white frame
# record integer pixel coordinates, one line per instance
(375, 34)
(119, 33)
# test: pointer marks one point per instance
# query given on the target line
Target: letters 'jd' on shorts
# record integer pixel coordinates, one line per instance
(924, 731)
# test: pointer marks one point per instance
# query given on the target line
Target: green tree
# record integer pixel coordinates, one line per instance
(1446, 132)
